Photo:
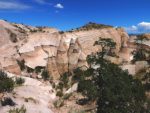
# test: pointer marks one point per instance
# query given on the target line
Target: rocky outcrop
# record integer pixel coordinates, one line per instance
(47, 47)
(37, 97)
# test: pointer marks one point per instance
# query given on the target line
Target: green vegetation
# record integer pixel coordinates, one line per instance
(107, 47)
(59, 93)
(19, 81)
(30, 70)
(144, 76)
(18, 110)
(45, 75)
(63, 82)
(141, 53)
(90, 26)
(21, 64)
(67, 96)
(114, 90)
(38, 69)
(34, 31)
(58, 103)
(61, 32)
(146, 81)
(6, 84)
(7, 101)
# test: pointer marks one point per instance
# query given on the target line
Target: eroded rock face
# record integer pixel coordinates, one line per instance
(37, 97)
(49, 48)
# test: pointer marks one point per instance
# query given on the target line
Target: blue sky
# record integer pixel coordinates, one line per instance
(134, 15)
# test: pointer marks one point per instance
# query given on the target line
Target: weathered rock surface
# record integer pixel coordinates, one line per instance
(37, 97)
(46, 47)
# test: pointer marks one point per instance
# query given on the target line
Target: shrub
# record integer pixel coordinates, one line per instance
(67, 96)
(6, 84)
(7, 101)
(88, 84)
(38, 69)
(33, 31)
(19, 81)
(92, 25)
(60, 86)
(45, 75)
(30, 70)
(83, 101)
(18, 110)
(61, 32)
(21, 64)
(64, 81)
(146, 81)
(140, 53)
(59, 103)
(59, 94)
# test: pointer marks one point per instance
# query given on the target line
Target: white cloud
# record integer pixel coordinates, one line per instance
(7, 5)
(132, 29)
(142, 27)
(59, 6)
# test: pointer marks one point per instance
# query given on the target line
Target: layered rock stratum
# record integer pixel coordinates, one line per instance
(59, 51)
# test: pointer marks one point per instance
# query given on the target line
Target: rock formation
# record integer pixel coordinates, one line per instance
(47, 47)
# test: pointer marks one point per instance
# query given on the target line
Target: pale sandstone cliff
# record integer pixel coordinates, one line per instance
(47, 47)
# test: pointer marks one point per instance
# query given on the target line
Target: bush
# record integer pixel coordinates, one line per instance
(88, 84)
(18, 110)
(83, 101)
(59, 103)
(30, 70)
(61, 32)
(64, 82)
(141, 53)
(60, 86)
(7, 101)
(21, 64)
(146, 81)
(38, 69)
(59, 94)
(45, 75)
(6, 84)
(19, 81)
(92, 25)
(67, 96)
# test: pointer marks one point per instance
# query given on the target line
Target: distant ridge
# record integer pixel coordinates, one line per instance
(90, 26)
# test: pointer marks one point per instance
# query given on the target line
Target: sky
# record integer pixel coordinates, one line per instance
(133, 15)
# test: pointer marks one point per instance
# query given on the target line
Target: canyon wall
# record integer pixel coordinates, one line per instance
(47, 47)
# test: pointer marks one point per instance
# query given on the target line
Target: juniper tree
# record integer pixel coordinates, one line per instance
(115, 90)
